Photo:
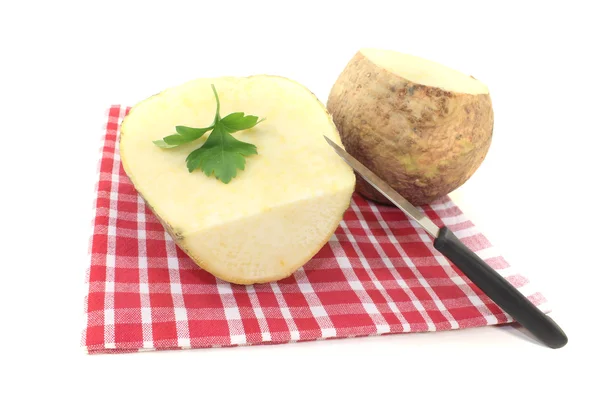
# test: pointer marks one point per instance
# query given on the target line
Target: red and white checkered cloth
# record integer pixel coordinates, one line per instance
(378, 274)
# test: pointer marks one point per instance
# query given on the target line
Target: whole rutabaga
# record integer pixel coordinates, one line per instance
(252, 201)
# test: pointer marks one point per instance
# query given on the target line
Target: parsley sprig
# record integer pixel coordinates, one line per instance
(221, 154)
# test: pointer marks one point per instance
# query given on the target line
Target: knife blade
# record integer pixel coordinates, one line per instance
(498, 289)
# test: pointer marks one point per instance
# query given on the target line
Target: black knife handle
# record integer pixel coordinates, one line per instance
(500, 290)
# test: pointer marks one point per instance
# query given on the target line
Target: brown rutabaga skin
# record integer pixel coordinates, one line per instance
(423, 141)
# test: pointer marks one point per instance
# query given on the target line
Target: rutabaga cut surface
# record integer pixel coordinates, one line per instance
(278, 212)
(424, 72)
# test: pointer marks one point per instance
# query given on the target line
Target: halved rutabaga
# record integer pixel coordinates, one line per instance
(278, 212)
(421, 126)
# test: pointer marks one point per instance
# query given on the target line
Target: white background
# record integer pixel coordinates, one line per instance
(534, 196)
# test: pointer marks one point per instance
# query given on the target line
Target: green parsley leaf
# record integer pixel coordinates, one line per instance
(184, 135)
(163, 145)
(221, 154)
(238, 122)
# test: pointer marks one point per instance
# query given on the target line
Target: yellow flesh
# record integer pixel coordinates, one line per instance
(279, 211)
(424, 72)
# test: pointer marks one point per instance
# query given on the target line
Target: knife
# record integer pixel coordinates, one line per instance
(478, 271)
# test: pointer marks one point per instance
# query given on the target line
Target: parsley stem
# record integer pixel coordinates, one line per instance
(217, 116)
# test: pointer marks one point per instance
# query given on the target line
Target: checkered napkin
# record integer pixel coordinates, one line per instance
(378, 274)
